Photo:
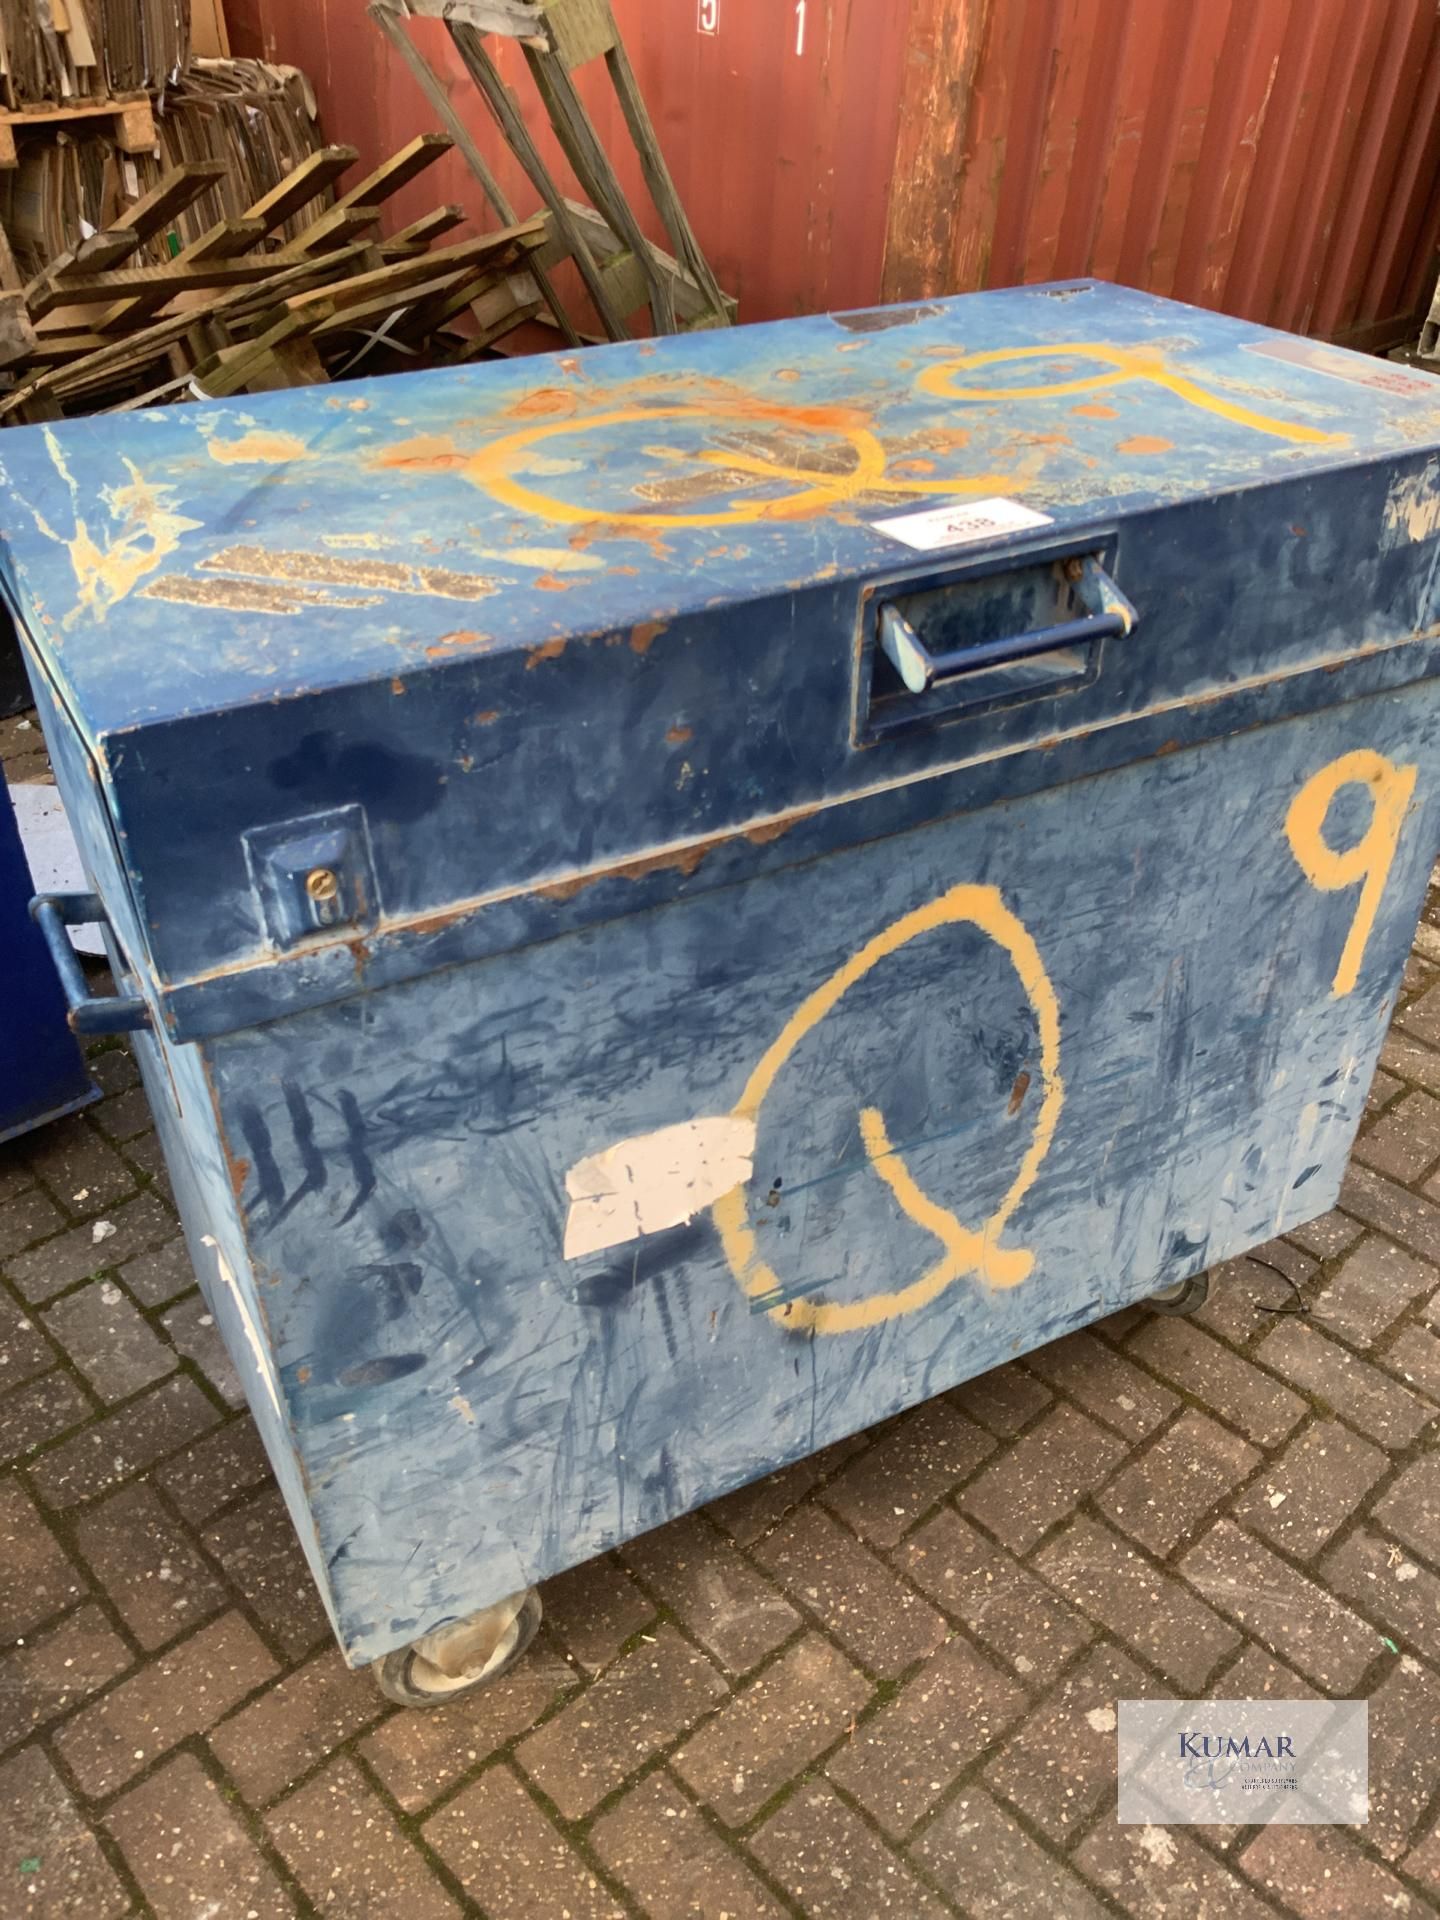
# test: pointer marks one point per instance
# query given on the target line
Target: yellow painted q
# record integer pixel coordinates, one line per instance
(1369, 861)
(963, 1249)
(1122, 364)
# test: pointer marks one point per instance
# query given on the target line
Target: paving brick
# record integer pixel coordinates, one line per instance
(749, 1512)
(124, 1115)
(1042, 1477)
(115, 1070)
(109, 1340)
(1423, 1863)
(1153, 1873)
(191, 1326)
(1003, 1399)
(1383, 1089)
(1060, 1766)
(660, 1846)
(984, 1858)
(834, 1867)
(1292, 1616)
(39, 1412)
(1410, 1059)
(1404, 1755)
(1411, 1509)
(124, 1443)
(1374, 1285)
(29, 1217)
(158, 1276)
(1138, 1602)
(1306, 1495)
(190, 1853)
(1422, 1016)
(1415, 1355)
(70, 1878)
(1003, 1604)
(340, 1841)
(183, 1692)
(730, 1608)
(508, 1855)
(419, 1756)
(593, 1609)
(884, 1491)
(901, 1760)
(1241, 1291)
(150, 1570)
(1321, 1875)
(1414, 1222)
(51, 1673)
(293, 1724)
(1418, 974)
(146, 1155)
(1166, 1491)
(261, 1554)
(15, 1174)
(878, 1620)
(1346, 1384)
(639, 1705)
(37, 1576)
(1258, 1675)
(1105, 1384)
(776, 1727)
(24, 1350)
(214, 1471)
(1250, 1400)
(74, 1161)
(1386, 1585)
(1327, 1236)
(139, 1224)
(1404, 1142)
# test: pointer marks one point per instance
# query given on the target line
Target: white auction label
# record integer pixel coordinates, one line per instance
(959, 525)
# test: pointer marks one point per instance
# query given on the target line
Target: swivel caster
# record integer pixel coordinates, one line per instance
(462, 1657)
(1185, 1296)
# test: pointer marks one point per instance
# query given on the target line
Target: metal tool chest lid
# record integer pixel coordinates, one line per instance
(198, 557)
(385, 675)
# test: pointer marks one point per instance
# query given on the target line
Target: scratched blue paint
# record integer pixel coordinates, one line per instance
(613, 799)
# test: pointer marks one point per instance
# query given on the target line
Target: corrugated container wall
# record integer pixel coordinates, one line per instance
(1277, 159)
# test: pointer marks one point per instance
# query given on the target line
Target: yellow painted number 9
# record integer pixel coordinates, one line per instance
(1369, 861)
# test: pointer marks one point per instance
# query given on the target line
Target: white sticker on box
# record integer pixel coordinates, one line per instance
(961, 524)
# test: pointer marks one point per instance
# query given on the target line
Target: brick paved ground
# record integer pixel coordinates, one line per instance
(879, 1683)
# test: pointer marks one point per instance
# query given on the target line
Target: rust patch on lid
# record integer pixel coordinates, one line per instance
(543, 400)
(487, 718)
(1018, 1091)
(462, 637)
(248, 596)
(268, 449)
(677, 736)
(769, 830)
(644, 635)
(547, 583)
(339, 570)
(547, 650)
(426, 450)
(1096, 410)
(1145, 443)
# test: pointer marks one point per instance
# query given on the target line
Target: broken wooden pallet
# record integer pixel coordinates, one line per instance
(557, 36)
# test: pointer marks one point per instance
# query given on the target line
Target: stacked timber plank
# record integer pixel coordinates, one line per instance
(242, 308)
(77, 175)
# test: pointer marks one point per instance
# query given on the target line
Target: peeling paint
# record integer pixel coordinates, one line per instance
(248, 596)
(547, 650)
(1412, 508)
(271, 563)
(269, 449)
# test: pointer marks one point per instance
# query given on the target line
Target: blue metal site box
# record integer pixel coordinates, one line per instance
(692, 895)
(42, 1070)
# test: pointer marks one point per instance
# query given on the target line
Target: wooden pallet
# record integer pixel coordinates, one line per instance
(132, 115)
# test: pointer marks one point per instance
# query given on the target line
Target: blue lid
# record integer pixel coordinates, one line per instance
(195, 557)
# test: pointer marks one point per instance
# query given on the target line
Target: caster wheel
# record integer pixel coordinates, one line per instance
(463, 1657)
(1185, 1296)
